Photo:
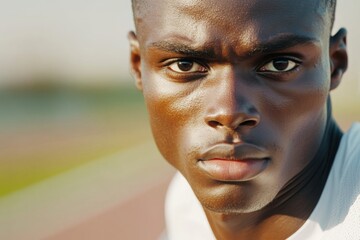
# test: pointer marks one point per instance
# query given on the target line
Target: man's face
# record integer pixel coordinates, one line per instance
(236, 92)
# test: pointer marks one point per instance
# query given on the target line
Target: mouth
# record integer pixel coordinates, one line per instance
(233, 163)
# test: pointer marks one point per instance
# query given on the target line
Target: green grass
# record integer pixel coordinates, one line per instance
(44, 132)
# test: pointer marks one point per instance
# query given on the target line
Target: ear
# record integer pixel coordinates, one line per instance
(338, 57)
(135, 59)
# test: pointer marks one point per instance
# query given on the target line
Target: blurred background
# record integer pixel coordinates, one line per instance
(76, 156)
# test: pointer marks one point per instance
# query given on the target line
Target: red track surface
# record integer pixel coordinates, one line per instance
(140, 217)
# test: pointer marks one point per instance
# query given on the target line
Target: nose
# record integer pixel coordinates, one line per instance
(232, 105)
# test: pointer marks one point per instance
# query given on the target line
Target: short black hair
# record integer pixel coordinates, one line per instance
(330, 4)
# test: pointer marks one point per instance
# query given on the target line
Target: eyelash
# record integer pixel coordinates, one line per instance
(297, 62)
(195, 75)
(186, 76)
(192, 64)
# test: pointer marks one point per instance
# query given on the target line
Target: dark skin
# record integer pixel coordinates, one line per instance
(237, 96)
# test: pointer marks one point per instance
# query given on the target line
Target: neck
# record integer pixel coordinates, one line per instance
(284, 213)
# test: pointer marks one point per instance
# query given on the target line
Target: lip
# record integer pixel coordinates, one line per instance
(230, 162)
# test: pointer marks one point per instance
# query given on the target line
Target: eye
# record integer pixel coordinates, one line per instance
(279, 65)
(187, 66)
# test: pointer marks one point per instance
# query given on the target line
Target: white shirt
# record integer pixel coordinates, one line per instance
(336, 215)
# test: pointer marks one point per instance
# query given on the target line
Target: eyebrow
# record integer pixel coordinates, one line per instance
(183, 49)
(276, 43)
(281, 42)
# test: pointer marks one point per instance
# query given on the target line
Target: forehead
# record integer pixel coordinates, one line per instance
(243, 21)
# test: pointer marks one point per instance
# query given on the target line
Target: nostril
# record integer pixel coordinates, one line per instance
(249, 123)
(214, 124)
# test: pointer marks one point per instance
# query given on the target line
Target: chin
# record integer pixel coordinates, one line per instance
(234, 198)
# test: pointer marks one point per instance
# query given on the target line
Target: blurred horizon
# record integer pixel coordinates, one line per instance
(69, 41)
(78, 42)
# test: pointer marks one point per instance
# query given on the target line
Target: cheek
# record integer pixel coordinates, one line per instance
(172, 110)
(298, 113)
(304, 98)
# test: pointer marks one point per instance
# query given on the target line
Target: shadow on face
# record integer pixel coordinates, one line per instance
(248, 78)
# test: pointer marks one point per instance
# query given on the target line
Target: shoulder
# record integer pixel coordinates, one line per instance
(352, 137)
(347, 159)
(184, 216)
(341, 200)
(344, 174)
(337, 214)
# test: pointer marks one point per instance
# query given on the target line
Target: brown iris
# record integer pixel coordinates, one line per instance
(281, 64)
(185, 65)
